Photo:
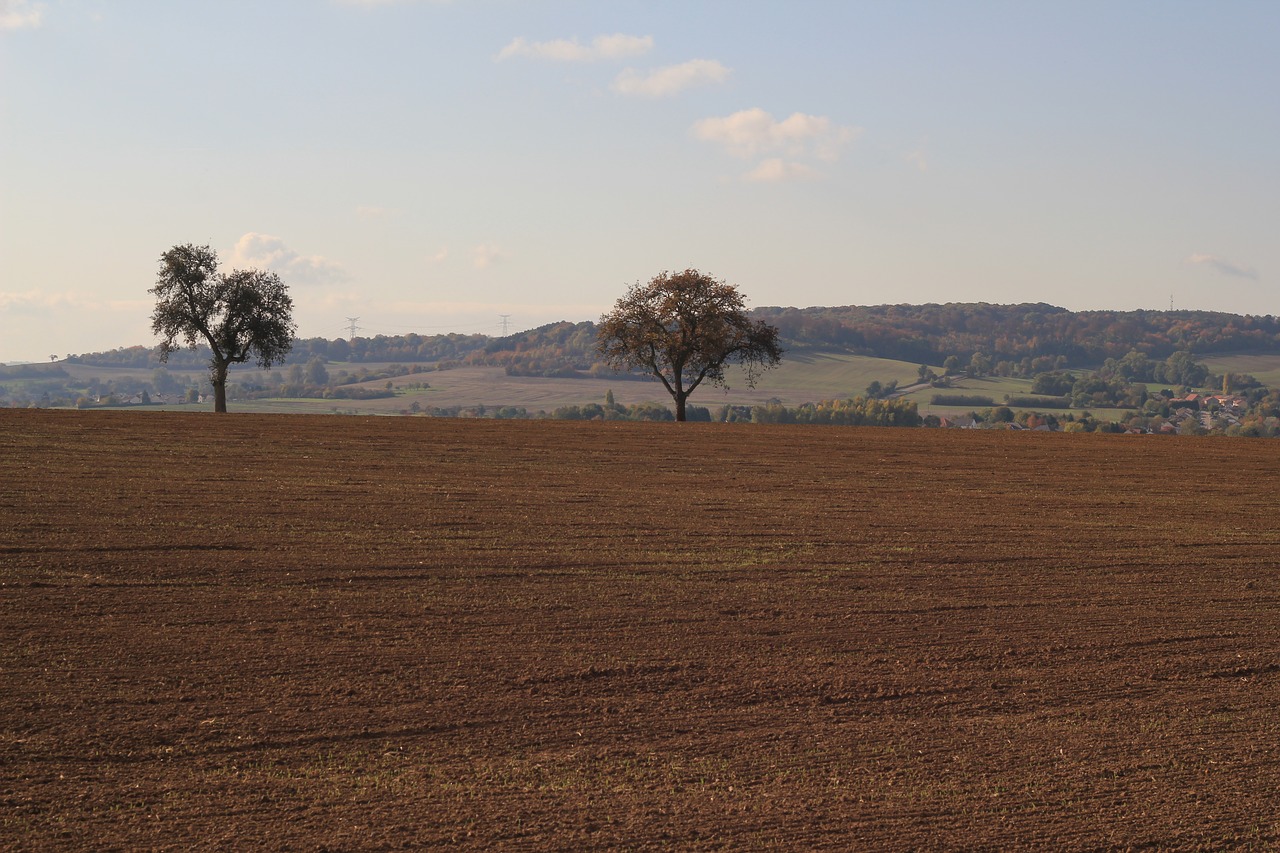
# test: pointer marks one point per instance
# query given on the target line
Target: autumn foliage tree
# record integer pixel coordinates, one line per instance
(240, 314)
(684, 328)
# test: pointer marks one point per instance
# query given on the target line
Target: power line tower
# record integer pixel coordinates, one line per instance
(505, 318)
(352, 327)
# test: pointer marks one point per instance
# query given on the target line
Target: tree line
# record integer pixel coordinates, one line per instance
(684, 328)
(1014, 333)
(410, 349)
(1003, 340)
(857, 411)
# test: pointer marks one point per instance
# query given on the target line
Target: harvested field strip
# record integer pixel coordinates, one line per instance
(291, 632)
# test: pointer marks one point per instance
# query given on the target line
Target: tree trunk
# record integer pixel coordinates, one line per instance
(219, 380)
(680, 398)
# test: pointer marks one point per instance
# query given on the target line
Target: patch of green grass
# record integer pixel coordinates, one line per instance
(829, 376)
(1266, 368)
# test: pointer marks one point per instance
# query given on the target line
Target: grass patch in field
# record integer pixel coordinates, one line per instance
(1265, 368)
(811, 377)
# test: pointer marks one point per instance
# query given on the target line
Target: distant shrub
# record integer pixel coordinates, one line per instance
(356, 393)
(855, 411)
(650, 412)
(1033, 402)
(961, 400)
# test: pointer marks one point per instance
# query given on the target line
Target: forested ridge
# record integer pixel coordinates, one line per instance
(930, 333)
(927, 334)
(1139, 361)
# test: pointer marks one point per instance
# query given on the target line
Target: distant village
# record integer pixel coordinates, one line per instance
(1191, 413)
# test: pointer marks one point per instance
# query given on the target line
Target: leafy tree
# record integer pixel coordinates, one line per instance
(1134, 367)
(1055, 384)
(1181, 368)
(684, 328)
(238, 314)
(296, 381)
(316, 372)
(880, 391)
(979, 365)
(164, 382)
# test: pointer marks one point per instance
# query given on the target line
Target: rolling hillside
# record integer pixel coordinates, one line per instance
(831, 353)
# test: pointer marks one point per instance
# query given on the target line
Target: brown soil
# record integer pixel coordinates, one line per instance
(305, 632)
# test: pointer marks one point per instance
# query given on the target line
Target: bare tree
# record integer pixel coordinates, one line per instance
(239, 314)
(684, 328)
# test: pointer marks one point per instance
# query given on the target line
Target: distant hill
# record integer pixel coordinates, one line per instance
(931, 333)
(408, 349)
(1014, 339)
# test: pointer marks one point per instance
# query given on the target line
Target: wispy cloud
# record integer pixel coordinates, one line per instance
(333, 300)
(617, 46)
(68, 299)
(440, 256)
(776, 170)
(671, 79)
(917, 158)
(785, 145)
(373, 3)
(486, 255)
(433, 309)
(20, 14)
(266, 251)
(750, 133)
(372, 211)
(29, 299)
(1222, 265)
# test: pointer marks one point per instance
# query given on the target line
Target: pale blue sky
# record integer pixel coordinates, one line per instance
(428, 166)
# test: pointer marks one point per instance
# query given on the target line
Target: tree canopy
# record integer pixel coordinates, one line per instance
(684, 328)
(238, 315)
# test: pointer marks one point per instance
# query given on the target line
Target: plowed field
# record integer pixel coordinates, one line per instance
(292, 632)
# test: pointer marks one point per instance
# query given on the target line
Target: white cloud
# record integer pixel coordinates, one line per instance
(751, 133)
(777, 170)
(1222, 265)
(616, 46)
(264, 250)
(485, 256)
(17, 14)
(661, 82)
(372, 211)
